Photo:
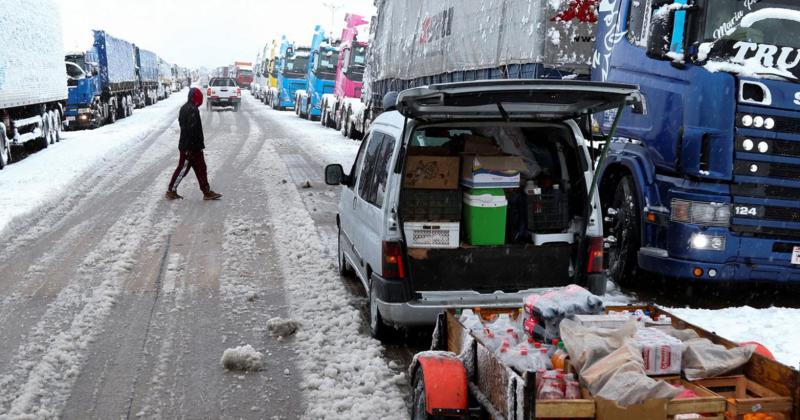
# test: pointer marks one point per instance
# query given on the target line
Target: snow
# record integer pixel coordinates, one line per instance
(43, 177)
(279, 327)
(775, 328)
(769, 13)
(242, 358)
(344, 374)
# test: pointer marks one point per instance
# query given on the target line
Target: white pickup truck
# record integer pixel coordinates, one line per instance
(223, 91)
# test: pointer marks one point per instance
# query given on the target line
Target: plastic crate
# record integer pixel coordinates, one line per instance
(432, 234)
(431, 205)
(548, 211)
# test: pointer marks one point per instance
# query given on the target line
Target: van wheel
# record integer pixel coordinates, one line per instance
(344, 269)
(623, 233)
(377, 329)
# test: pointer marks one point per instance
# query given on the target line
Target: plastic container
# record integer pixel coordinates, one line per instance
(441, 235)
(547, 209)
(485, 216)
(431, 205)
(573, 391)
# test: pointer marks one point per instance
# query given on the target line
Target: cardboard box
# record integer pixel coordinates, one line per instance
(481, 146)
(491, 171)
(432, 172)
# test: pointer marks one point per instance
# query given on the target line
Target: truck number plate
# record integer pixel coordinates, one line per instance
(223, 99)
(796, 255)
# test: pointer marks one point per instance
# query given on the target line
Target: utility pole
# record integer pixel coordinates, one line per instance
(334, 6)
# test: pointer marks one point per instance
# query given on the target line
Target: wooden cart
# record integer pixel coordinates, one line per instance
(462, 378)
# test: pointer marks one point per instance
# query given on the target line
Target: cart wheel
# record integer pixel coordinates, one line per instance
(418, 403)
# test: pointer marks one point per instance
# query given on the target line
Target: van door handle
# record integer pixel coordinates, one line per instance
(354, 202)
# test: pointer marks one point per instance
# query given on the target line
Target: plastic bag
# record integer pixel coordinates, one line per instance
(587, 345)
(703, 359)
(544, 312)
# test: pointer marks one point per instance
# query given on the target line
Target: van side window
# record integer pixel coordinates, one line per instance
(369, 162)
(357, 163)
(375, 171)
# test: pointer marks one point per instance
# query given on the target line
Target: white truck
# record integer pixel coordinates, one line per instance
(33, 80)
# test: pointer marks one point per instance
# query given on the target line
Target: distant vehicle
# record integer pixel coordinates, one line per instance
(292, 66)
(147, 76)
(33, 86)
(243, 73)
(103, 84)
(338, 109)
(320, 76)
(223, 91)
(401, 240)
(166, 79)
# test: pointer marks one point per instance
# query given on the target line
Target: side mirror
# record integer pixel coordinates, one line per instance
(334, 175)
(660, 35)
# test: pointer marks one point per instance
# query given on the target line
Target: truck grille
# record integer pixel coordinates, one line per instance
(766, 169)
(782, 124)
(765, 191)
(774, 147)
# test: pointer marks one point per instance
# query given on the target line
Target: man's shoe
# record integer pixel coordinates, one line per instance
(211, 195)
(172, 195)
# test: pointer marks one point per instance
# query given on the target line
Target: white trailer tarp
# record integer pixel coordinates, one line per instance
(417, 38)
(32, 69)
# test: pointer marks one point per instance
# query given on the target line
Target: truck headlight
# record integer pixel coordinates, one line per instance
(706, 242)
(700, 213)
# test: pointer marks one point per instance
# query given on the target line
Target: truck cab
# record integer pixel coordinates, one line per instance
(321, 74)
(702, 180)
(84, 85)
(292, 68)
(339, 108)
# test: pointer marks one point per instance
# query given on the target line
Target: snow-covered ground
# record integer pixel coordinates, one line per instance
(46, 175)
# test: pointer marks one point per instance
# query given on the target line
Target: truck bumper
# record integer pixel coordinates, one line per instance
(657, 262)
(79, 120)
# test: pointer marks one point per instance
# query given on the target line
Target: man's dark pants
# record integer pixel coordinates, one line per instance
(190, 159)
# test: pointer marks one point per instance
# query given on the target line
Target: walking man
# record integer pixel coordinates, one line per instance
(191, 147)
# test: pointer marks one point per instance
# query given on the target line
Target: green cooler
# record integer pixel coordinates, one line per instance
(485, 216)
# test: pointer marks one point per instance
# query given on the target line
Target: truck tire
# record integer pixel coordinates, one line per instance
(55, 125)
(5, 151)
(112, 114)
(44, 140)
(625, 230)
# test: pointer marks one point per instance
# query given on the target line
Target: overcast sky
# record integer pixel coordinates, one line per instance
(208, 33)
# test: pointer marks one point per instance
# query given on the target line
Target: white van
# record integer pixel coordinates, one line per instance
(495, 202)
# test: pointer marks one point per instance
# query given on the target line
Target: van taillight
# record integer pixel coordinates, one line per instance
(393, 260)
(595, 262)
(239, 91)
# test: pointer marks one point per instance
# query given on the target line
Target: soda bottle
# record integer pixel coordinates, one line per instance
(573, 391)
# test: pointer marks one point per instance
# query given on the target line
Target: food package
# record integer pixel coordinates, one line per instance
(601, 321)
(544, 312)
(661, 353)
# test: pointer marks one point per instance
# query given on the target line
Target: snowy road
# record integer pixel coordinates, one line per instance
(116, 303)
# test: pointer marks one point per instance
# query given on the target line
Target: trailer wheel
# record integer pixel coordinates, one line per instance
(57, 123)
(44, 140)
(112, 114)
(448, 393)
(418, 402)
(625, 229)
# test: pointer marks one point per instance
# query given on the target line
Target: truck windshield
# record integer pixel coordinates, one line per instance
(245, 73)
(296, 66)
(359, 56)
(74, 71)
(773, 22)
(327, 64)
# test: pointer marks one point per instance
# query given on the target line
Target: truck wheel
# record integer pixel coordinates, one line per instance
(623, 233)
(5, 151)
(112, 114)
(377, 329)
(55, 123)
(44, 140)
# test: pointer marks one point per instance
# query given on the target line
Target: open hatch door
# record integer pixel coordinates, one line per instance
(513, 100)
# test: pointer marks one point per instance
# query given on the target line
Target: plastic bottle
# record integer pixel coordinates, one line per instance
(545, 359)
(573, 391)
(559, 357)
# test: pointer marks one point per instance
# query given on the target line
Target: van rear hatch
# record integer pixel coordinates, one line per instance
(512, 100)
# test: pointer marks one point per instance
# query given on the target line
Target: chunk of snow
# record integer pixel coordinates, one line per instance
(242, 358)
(279, 327)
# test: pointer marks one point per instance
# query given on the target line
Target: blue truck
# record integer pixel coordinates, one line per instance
(702, 179)
(292, 65)
(103, 83)
(321, 75)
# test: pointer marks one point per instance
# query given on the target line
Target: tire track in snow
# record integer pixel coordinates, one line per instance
(51, 359)
(344, 373)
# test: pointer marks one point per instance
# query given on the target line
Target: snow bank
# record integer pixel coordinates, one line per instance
(775, 328)
(242, 358)
(46, 175)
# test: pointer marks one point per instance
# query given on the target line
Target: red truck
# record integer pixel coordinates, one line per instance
(244, 73)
